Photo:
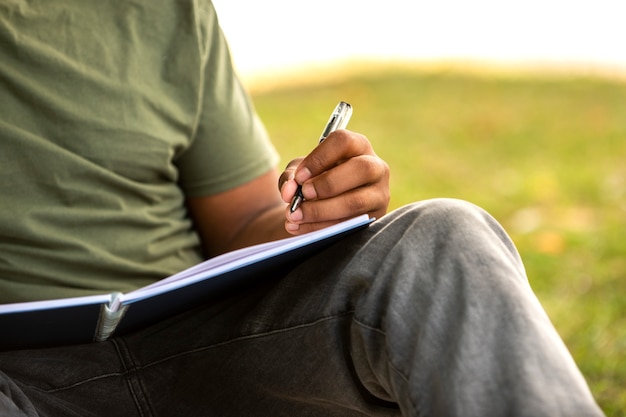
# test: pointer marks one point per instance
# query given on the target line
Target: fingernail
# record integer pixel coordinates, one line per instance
(296, 216)
(309, 192)
(302, 175)
(292, 227)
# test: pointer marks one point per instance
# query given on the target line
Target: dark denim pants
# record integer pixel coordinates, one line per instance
(426, 313)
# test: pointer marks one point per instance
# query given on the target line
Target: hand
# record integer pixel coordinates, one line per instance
(341, 178)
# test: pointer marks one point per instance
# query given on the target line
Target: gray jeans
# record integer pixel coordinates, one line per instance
(428, 312)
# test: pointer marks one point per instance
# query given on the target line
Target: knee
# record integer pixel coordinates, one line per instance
(443, 213)
(446, 221)
(446, 207)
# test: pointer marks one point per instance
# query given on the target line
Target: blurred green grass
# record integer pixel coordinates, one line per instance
(545, 154)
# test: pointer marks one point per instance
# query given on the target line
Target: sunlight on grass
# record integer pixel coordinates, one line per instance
(543, 153)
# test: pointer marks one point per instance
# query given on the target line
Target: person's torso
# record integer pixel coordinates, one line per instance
(98, 100)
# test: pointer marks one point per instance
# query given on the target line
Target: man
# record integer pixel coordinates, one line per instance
(129, 151)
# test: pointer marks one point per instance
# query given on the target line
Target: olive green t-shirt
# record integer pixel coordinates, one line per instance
(111, 113)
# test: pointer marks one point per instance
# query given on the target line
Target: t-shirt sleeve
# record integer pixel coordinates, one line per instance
(230, 146)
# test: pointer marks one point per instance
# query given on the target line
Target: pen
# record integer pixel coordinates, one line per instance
(339, 119)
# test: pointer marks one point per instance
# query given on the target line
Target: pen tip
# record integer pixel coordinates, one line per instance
(295, 203)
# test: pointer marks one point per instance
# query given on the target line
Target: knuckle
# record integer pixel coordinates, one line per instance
(324, 186)
(369, 168)
(342, 135)
(358, 203)
(373, 167)
(364, 144)
(352, 142)
(318, 160)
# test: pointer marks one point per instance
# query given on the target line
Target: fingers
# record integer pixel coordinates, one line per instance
(351, 174)
(363, 200)
(286, 184)
(341, 178)
(298, 229)
(338, 146)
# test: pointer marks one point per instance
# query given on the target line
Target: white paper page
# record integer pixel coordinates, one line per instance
(50, 304)
(239, 258)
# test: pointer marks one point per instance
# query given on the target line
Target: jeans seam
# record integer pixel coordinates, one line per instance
(131, 368)
(76, 384)
(392, 366)
(246, 337)
(134, 368)
(127, 371)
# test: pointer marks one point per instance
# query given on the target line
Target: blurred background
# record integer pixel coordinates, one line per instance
(519, 107)
(274, 35)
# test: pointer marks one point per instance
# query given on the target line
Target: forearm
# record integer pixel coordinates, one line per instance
(249, 214)
(267, 226)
